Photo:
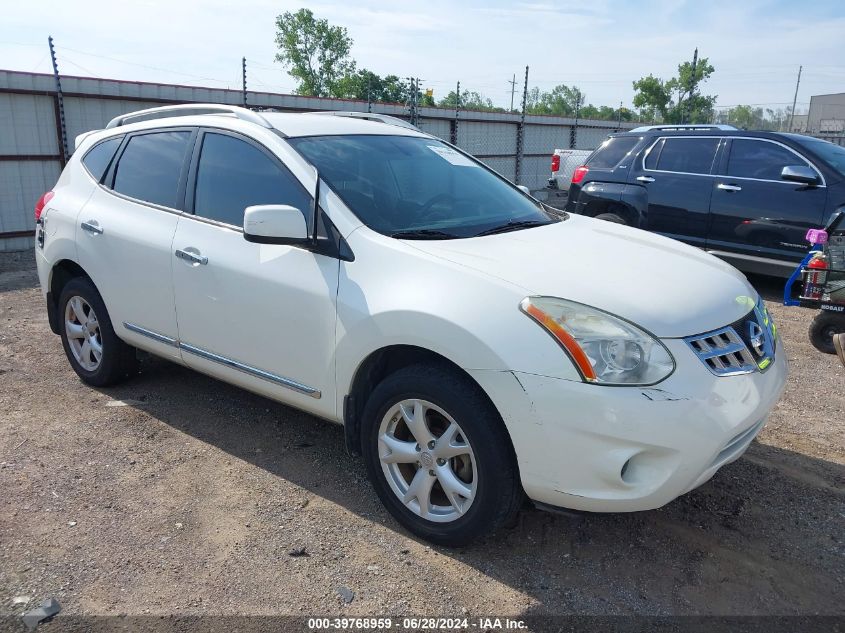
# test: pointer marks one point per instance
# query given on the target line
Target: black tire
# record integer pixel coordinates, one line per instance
(498, 495)
(611, 217)
(118, 361)
(822, 329)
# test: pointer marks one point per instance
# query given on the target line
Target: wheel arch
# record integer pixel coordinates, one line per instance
(374, 368)
(598, 206)
(60, 274)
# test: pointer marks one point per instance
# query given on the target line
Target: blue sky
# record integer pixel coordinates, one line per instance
(600, 46)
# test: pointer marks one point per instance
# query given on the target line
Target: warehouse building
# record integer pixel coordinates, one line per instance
(827, 115)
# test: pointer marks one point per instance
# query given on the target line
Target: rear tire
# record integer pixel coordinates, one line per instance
(95, 352)
(823, 328)
(611, 217)
(454, 477)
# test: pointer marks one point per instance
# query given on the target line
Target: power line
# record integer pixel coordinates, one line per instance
(165, 70)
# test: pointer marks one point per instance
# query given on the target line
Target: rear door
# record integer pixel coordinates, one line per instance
(677, 174)
(125, 233)
(756, 214)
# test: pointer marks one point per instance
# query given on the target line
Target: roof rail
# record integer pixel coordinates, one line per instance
(189, 109)
(370, 116)
(681, 126)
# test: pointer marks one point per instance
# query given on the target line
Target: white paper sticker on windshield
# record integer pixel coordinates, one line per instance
(456, 158)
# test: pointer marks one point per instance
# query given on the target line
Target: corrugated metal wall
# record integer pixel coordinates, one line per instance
(31, 156)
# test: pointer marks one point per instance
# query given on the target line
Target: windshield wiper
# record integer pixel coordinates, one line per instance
(423, 234)
(513, 225)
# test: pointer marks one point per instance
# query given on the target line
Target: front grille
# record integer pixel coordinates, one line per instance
(743, 347)
(723, 352)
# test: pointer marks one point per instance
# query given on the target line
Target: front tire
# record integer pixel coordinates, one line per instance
(823, 328)
(95, 352)
(438, 455)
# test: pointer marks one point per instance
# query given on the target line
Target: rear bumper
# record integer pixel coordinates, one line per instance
(621, 449)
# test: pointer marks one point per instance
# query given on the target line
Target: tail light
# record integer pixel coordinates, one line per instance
(555, 162)
(42, 202)
(579, 173)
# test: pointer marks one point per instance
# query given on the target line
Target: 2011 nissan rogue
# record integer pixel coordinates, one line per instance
(476, 346)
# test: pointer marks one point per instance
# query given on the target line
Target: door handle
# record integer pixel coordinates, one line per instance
(645, 179)
(92, 227)
(191, 258)
(725, 187)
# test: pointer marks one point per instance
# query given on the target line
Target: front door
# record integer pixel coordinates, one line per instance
(261, 316)
(755, 213)
(676, 172)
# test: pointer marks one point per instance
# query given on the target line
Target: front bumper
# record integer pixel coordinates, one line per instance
(622, 449)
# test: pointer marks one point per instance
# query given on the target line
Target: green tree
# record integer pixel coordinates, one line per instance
(562, 100)
(676, 100)
(751, 118)
(360, 84)
(470, 100)
(315, 53)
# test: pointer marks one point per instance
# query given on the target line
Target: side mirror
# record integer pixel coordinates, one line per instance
(275, 224)
(524, 189)
(800, 173)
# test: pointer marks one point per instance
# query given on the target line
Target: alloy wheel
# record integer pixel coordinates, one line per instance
(427, 460)
(83, 333)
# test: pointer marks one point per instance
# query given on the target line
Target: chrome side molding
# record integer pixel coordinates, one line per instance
(228, 362)
(161, 338)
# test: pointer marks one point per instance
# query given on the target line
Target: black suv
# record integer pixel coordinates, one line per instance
(748, 197)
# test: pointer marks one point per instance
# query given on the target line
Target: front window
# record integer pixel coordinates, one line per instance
(418, 188)
(833, 155)
(762, 160)
(233, 175)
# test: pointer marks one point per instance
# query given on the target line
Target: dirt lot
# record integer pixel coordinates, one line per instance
(190, 498)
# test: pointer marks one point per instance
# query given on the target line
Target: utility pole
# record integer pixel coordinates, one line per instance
(795, 99)
(573, 131)
(520, 133)
(454, 130)
(60, 103)
(369, 99)
(414, 100)
(513, 89)
(243, 68)
(619, 119)
(692, 83)
(418, 95)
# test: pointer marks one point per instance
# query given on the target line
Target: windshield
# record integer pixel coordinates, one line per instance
(418, 188)
(833, 155)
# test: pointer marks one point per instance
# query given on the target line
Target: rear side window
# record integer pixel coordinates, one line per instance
(233, 175)
(97, 159)
(150, 166)
(759, 159)
(611, 152)
(688, 155)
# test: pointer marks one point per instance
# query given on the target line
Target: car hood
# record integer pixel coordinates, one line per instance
(665, 286)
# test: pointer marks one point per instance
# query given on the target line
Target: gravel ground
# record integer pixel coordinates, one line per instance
(189, 500)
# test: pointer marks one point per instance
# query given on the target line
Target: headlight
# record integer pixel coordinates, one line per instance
(606, 350)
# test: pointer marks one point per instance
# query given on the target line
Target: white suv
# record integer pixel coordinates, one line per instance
(476, 346)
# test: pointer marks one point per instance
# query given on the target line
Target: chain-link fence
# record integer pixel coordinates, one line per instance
(33, 139)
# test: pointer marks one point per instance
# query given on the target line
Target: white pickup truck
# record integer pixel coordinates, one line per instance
(564, 163)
